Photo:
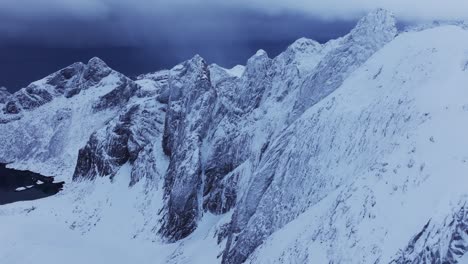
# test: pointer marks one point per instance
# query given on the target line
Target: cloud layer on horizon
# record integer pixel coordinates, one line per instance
(331, 9)
(136, 21)
(142, 35)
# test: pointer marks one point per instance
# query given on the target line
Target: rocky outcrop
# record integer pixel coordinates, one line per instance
(127, 138)
(253, 83)
(444, 242)
(118, 97)
(242, 128)
(191, 101)
(133, 136)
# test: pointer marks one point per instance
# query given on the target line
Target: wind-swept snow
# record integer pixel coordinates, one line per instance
(376, 160)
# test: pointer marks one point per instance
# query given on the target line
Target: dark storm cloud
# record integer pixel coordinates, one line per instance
(436, 9)
(177, 28)
(120, 24)
(136, 36)
(39, 37)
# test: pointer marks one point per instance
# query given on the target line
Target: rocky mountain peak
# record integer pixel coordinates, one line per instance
(78, 75)
(194, 66)
(185, 77)
(370, 34)
(196, 63)
(304, 54)
(258, 62)
(67, 82)
(379, 25)
(96, 70)
(96, 62)
(259, 57)
(261, 53)
(304, 45)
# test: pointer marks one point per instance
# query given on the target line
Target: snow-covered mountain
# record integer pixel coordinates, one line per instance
(352, 151)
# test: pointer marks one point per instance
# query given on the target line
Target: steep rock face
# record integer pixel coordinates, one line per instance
(188, 117)
(127, 138)
(241, 133)
(226, 146)
(370, 34)
(253, 82)
(220, 158)
(335, 184)
(444, 242)
(253, 228)
(133, 136)
(262, 115)
(118, 97)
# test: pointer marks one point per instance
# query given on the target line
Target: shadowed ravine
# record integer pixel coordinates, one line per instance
(16, 185)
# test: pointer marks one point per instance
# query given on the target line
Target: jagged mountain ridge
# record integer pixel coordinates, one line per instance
(292, 159)
(44, 121)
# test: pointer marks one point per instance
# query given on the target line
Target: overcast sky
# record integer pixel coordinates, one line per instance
(97, 9)
(38, 37)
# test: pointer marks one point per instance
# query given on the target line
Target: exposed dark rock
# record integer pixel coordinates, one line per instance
(11, 108)
(192, 98)
(435, 243)
(97, 158)
(118, 96)
(122, 140)
(222, 197)
(256, 79)
(96, 70)
(28, 98)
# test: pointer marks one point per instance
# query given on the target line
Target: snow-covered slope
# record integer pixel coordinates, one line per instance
(361, 172)
(353, 151)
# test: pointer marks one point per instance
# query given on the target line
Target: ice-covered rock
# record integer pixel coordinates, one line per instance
(127, 138)
(444, 242)
(188, 117)
(370, 34)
